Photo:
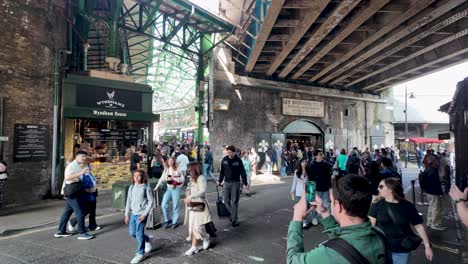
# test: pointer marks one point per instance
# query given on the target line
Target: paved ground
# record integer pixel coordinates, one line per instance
(261, 237)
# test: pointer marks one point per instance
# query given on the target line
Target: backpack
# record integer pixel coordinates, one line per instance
(353, 256)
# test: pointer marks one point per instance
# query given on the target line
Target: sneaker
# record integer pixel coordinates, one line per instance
(137, 259)
(148, 247)
(174, 226)
(314, 221)
(167, 225)
(96, 229)
(189, 238)
(440, 228)
(85, 236)
(62, 234)
(235, 223)
(192, 251)
(70, 227)
(304, 225)
(206, 242)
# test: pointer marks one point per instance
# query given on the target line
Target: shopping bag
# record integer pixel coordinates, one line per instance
(221, 207)
(154, 218)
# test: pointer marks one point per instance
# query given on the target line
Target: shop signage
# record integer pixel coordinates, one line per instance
(31, 142)
(111, 134)
(108, 98)
(295, 107)
(108, 113)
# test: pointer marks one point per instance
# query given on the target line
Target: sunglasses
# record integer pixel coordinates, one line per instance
(381, 186)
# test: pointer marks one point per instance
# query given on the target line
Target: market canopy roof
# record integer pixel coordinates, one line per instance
(425, 140)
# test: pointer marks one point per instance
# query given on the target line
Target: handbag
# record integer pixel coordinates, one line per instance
(410, 241)
(72, 189)
(196, 206)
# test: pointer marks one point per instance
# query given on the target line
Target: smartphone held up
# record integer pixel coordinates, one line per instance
(310, 192)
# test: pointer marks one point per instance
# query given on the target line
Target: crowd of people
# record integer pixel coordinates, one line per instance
(358, 199)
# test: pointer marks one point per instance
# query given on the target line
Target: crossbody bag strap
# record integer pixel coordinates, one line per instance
(346, 250)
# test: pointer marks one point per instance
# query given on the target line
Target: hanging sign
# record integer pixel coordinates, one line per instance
(108, 98)
(295, 107)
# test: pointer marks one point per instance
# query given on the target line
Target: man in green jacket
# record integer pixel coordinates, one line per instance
(350, 200)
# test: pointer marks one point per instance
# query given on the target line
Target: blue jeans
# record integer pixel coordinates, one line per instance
(73, 205)
(173, 194)
(283, 171)
(400, 258)
(325, 197)
(207, 171)
(137, 230)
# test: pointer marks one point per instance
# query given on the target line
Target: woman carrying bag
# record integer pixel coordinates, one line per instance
(174, 179)
(395, 216)
(197, 213)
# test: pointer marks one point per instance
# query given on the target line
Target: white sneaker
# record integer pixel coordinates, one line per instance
(206, 242)
(148, 247)
(70, 227)
(192, 251)
(314, 221)
(304, 224)
(189, 238)
(137, 259)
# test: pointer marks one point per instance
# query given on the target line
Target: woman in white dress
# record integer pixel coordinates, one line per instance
(197, 213)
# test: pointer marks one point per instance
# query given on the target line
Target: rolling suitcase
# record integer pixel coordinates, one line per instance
(221, 207)
(153, 220)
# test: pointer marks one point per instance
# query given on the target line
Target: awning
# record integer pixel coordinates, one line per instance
(425, 140)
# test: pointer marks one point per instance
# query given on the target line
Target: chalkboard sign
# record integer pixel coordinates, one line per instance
(111, 134)
(31, 142)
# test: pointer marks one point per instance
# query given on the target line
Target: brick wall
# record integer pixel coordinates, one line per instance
(250, 107)
(30, 33)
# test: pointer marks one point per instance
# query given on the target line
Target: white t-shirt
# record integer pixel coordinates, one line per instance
(72, 168)
(182, 161)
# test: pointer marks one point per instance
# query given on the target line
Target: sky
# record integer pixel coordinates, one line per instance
(430, 91)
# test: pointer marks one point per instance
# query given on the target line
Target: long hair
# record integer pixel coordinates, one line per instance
(144, 177)
(299, 168)
(174, 166)
(195, 171)
(395, 186)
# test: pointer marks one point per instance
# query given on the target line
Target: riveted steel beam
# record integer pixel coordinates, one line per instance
(412, 10)
(445, 21)
(338, 14)
(415, 23)
(358, 19)
(445, 51)
(309, 17)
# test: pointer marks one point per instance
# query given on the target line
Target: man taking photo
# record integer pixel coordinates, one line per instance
(346, 225)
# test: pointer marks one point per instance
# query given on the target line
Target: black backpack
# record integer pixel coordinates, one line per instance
(355, 257)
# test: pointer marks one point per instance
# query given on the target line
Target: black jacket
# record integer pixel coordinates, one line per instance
(432, 183)
(320, 172)
(232, 170)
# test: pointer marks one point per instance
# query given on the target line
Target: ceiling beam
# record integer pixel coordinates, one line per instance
(297, 4)
(412, 10)
(432, 69)
(338, 14)
(453, 49)
(357, 20)
(415, 23)
(309, 16)
(270, 19)
(443, 22)
(287, 23)
(442, 42)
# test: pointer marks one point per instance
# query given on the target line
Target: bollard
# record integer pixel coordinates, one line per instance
(414, 191)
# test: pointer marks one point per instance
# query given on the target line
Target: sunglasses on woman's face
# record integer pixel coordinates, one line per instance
(381, 186)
